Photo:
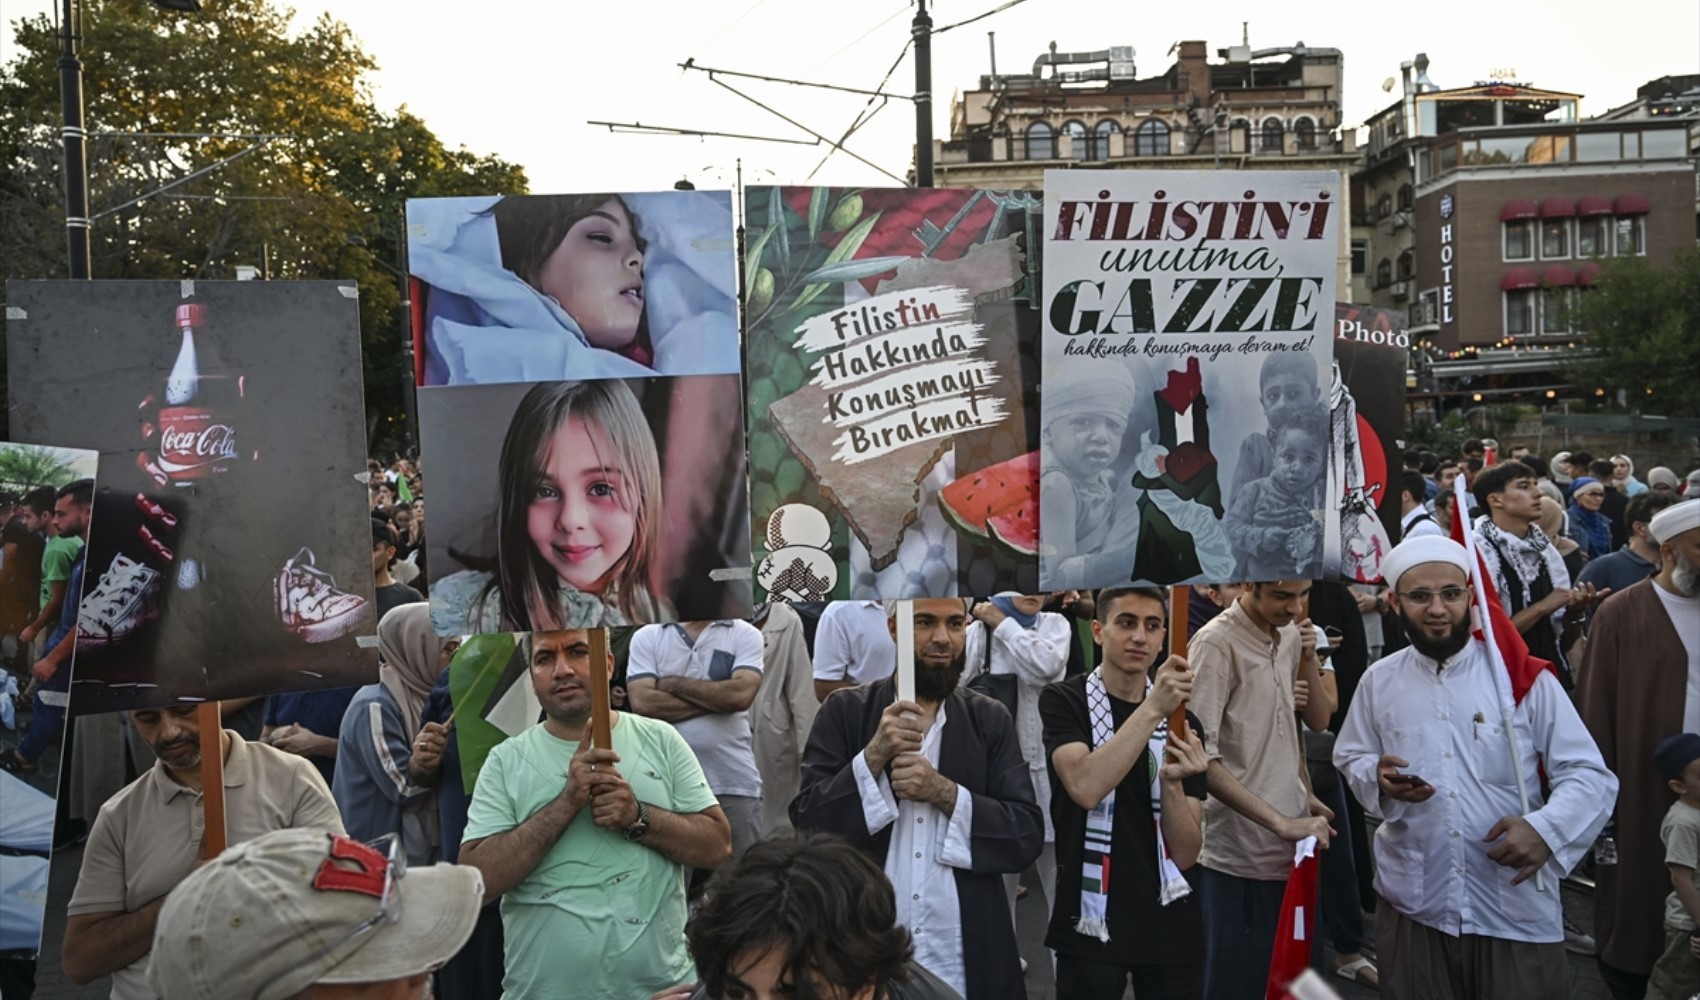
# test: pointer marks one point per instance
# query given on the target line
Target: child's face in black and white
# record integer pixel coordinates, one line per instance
(1282, 394)
(1085, 444)
(1300, 460)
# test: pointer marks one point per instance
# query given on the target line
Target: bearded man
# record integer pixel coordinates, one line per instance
(1640, 683)
(937, 792)
(1469, 881)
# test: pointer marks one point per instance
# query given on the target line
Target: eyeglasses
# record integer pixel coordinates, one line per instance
(389, 911)
(1451, 596)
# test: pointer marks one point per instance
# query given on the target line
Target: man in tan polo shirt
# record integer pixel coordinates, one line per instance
(1260, 805)
(147, 838)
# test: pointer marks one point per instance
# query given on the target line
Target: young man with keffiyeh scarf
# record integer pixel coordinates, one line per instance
(1128, 822)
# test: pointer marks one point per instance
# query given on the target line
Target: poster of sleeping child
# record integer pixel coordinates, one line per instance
(1187, 350)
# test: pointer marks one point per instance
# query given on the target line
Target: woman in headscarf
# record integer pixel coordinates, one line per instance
(1554, 524)
(1593, 528)
(1623, 476)
(372, 787)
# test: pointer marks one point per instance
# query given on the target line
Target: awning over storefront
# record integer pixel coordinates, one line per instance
(1519, 208)
(1558, 276)
(1519, 278)
(1557, 208)
(1632, 204)
(1589, 273)
(1593, 204)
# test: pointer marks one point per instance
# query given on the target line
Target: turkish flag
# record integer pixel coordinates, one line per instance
(1298, 924)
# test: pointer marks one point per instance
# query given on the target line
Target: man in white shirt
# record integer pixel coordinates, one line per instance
(1469, 884)
(852, 646)
(702, 677)
(937, 793)
(1414, 518)
(1639, 684)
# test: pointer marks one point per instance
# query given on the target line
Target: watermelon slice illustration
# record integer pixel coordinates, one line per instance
(999, 503)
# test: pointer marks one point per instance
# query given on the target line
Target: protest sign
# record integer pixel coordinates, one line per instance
(1366, 403)
(586, 503)
(892, 427)
(1188, 336)
(45, 499)
(537, 288)
(228, 555)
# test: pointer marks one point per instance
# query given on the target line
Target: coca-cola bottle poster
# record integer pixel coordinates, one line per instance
(229, 551)
(45, 501)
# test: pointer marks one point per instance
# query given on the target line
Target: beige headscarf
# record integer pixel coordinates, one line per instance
(1552, 526)
(409, 650)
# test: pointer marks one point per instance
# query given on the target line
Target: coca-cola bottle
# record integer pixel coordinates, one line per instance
(202, 407)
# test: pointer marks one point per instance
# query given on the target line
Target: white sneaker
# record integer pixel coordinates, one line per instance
(121, 603)
(309, 603)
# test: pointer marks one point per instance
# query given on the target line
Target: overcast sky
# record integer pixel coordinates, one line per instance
(520, 78)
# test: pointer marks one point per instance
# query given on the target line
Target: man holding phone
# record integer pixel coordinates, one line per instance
(1466, 910)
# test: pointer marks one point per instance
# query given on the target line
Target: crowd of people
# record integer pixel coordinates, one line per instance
(774, 817)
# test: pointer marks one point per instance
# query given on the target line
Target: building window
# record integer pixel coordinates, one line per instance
(1520, 313)
(1304, 132)
(1520, 240)
(1239, 136)
(1407, 196)
(1593, 237)
(1101, 138)
(1272, 132)
(1151, 138)
(1555, 238)
(1076, 131)
(1384, 206)
(1407, 264)
(1041, 142)
(1360, 258)
(1555, 310)
(1631, 235)
(1383, 273)
(1428, 308)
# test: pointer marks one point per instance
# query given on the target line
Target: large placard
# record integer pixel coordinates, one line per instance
(892, 367)
(1187, 348)
(1366, 405)
(229, 551)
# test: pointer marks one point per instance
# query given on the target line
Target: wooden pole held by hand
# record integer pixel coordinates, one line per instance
(213, 835)
(601, 724)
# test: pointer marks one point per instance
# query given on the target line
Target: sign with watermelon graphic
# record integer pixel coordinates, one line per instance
(892, 365)
(1366, 404)
(1188, 344)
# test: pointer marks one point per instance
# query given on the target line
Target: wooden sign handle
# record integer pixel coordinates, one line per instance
(1178, 596)
(905, 673)
(601, 724)
(213, 833)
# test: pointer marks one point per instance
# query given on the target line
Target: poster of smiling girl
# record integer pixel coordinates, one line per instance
(538, 287)
(582, 503)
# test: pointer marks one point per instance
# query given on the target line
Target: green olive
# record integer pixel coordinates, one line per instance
(847, 214)
(761, 291)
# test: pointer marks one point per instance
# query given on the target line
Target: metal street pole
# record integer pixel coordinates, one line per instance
(409, 387)
(75, 139)
(922, 33)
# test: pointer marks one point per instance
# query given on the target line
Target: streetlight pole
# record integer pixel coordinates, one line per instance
(75, 139)
(922, 34)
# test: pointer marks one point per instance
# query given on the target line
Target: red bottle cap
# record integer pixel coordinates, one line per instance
(190, 315)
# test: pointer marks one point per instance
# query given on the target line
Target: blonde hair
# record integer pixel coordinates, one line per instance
(529, 587)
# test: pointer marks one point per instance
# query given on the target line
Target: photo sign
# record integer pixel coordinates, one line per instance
(1366, 406)
(1188, 341)
(892, 366)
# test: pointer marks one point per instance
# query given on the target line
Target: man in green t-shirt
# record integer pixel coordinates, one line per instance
(56, 559)
(590, 848)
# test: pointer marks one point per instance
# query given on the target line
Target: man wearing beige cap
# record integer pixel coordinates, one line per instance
(1640, 683)
(311, 915)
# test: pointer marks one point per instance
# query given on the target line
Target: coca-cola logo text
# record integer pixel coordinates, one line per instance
(190, 436)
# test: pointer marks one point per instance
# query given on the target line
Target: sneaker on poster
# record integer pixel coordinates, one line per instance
(121, 603)
(309, 603)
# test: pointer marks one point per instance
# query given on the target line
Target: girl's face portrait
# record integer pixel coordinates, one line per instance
(596, 274)
(580, 517)
(1300, 460)
(1085, 444)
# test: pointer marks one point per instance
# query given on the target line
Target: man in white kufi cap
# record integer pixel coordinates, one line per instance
(1640, 683)
(1468, 877)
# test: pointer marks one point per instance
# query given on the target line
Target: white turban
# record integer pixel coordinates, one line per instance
(1413, 552)
(1674, 520)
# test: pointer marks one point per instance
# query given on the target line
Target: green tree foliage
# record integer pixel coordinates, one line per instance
(322, 200)
(23, 467)
(1643, 322)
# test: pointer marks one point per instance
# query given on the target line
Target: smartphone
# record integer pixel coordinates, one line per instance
(1407, 779)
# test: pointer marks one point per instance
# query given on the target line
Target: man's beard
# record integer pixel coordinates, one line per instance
(936, 683)
(1685, 577)
(1442, 649)
(187, 765)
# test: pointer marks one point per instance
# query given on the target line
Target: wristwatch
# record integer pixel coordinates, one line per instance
(640, 827)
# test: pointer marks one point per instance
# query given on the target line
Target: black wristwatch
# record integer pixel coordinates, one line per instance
(640, 827)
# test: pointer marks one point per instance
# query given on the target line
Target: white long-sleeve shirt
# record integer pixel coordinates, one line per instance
(926, 847)
(1432, 864)
(1037, 657)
